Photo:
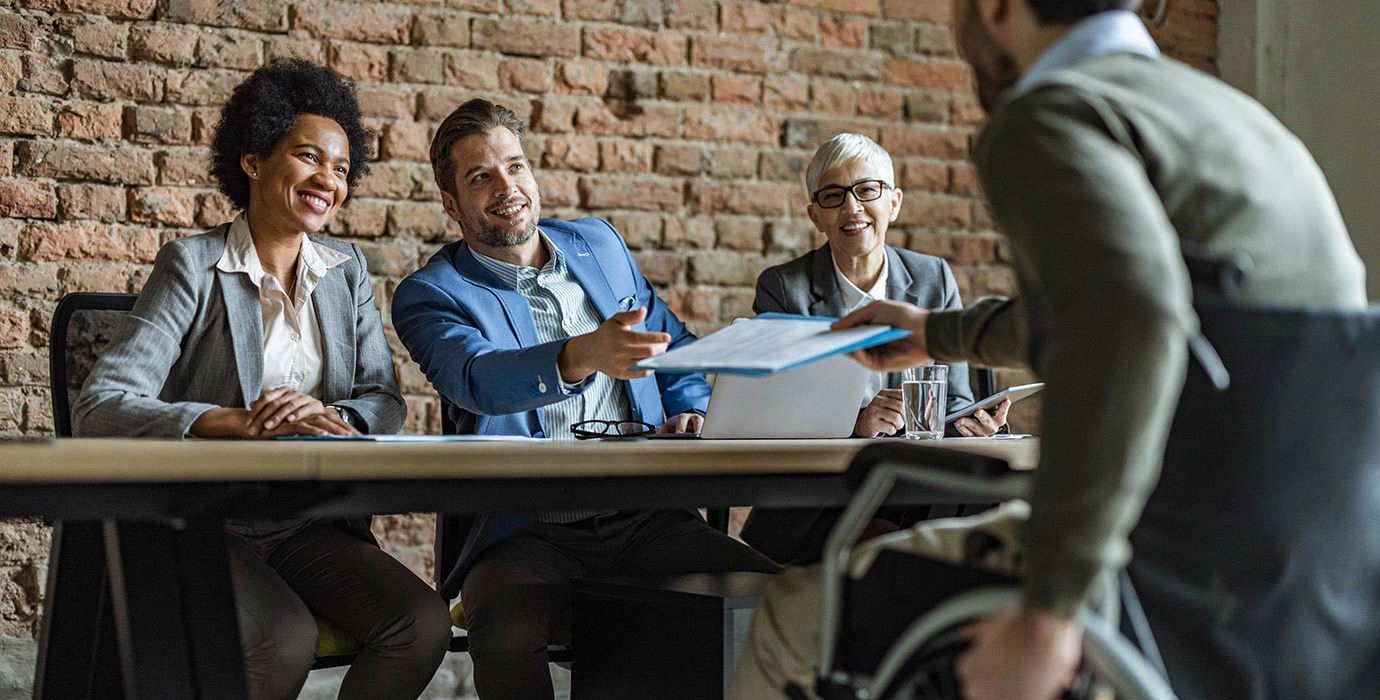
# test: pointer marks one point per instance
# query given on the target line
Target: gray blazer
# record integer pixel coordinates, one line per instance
(807, 285)
(194, 341)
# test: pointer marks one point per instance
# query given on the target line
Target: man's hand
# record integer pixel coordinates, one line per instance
(982, 423)
(1020, 654)
(898, 354)
(612, 349)
(882, 416)
(278, 406)
(682, 423)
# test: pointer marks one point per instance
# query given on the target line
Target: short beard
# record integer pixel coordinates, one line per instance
(994, 70)
(495, 238)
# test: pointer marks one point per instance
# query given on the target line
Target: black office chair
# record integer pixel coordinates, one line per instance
(83, 324)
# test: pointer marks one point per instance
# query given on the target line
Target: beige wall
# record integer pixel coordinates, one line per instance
(1316, 64)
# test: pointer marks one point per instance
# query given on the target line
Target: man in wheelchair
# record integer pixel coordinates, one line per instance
(1106, 164)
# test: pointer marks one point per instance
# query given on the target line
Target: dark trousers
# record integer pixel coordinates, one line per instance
(279, 583)
(517, 595)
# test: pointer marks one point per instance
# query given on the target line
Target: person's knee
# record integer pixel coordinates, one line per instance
(421, 629)
(280, 653)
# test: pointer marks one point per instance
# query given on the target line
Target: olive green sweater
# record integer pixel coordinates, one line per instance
(1099, 176)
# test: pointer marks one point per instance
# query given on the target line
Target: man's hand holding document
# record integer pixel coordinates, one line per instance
(767, 344)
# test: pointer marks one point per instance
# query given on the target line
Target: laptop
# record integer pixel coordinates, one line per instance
(817, 400)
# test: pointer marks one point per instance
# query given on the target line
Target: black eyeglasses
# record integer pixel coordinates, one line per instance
(833, 196)
(591, 429)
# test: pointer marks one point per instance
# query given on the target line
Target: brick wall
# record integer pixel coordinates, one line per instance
(687, 123)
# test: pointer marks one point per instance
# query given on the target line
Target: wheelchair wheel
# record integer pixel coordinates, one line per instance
(930, 675)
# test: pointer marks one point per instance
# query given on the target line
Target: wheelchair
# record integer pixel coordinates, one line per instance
(909, 637)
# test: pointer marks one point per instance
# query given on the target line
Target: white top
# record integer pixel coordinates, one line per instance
(854, 299)
(292, 333)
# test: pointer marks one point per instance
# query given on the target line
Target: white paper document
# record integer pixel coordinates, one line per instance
(768, 343)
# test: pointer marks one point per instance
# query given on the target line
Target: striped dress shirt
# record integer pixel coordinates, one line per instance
(561, 309)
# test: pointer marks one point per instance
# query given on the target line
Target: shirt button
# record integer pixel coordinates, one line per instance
(297, 377)
(296, 337)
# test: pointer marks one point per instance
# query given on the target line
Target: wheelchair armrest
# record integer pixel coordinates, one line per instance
(927, 456)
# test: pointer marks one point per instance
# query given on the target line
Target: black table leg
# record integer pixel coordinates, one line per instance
(76, 650)
(174, 611)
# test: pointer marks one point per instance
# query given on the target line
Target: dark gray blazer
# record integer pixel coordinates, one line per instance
(194, 341)
(807, 285)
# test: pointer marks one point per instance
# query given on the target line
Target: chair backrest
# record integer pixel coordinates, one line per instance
(1262, 527)
(83, 324)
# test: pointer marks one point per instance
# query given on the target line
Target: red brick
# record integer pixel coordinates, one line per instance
(386, 101)
(100, 202)
(973, 248)
(732, 162)
(204, 121)
(903, 140)
(472, 69)
(100, 37)
(89, 120)
(921, 175)
(881, 103)
(407, 140)
(480, 6)
(684, 87)
(14, 329)
(936, 211)
(641, 193)
(579, 77)
(591, 10)
(214, 209)
(164, 43)
(741, 54)
(927, 106)
(809, 133)
(424, 220)
(361, 218)
(838, 63)
(935, 39)
(526, 37)
(22, 31)
(66, 161)
(420, 65)
(145, 124)
(798, 25)
(697, 15)
(724, 267)
(756, 198)
(785, 93)
(861, 7)
(726, 124)
(831, 97)
(963, 180)
(6, 157)
(45, 74)
(554, 116)
(571, 154)
(393, 180)
(558, 189)
(11, 70)
(174, 206)
(295, 45)
(229, 50)
(120, 9)
(938, 75)
(965, 110)
(634, 46)
(362, 62)
(386, 259)
(676, 159)
(441, 29)
(77, 240)
(791, 236)
(625, 157)
(840, 32)
(695, 232)
(26, 116)
(659, 267)
(381, 24)
(639, 230)
(542, 8)
(782, 165)
(617, 119)
(737, 90)
(9, 237)
(183, 166)
(924, 10)
(435, 104)
(27, 199)
(104, 80)
(525, 75)
(739, 233)
(748, 17)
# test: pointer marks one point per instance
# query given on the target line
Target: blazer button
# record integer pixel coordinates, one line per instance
(541, 387)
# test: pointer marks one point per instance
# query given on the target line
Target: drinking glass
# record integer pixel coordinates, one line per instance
(924, 398)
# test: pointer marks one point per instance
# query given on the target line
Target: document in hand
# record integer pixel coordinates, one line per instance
(769, 343)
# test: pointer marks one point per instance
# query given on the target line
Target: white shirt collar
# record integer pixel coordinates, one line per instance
(854, 297)
(241, 256)
(1102, 34)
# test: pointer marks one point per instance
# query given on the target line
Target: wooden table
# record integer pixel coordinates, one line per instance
(148, 512)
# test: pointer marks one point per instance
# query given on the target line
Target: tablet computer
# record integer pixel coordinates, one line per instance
(1015, 393)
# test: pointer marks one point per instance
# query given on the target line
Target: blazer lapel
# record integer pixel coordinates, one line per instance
(582, 264)
(826, 299)
(515, 306)
(246, 331)
(334, 304)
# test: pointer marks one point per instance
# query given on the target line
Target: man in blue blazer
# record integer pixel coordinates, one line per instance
(529, 326)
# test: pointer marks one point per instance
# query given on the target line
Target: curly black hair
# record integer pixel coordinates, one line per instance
(264, 107)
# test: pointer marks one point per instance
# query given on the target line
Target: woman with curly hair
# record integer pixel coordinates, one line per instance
(257, 329)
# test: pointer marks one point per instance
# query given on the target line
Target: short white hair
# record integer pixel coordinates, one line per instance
(845, 147)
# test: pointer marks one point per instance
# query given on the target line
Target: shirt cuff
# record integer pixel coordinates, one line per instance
(573, 387)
